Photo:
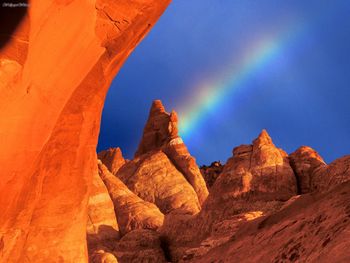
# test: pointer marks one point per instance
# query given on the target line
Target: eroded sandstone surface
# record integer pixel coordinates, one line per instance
(112, 158)
(131, 211)
(54, 75)
(161, 133)
(264, 205)
(102, 227)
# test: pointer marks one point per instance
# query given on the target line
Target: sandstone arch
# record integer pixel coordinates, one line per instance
(54, 75)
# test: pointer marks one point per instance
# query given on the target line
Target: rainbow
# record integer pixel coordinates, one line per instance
(209, 96)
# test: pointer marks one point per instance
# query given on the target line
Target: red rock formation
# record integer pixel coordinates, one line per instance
(257, 172)
(159, 130)
(312, 229)
(132, 212)
(304, 161)
(54, 75)
(112, 158)
(102, 227)
(154, 178)
(161, 133)
(314, 174)
(326, 177)
(211, 173)
(257, 179)
(140, 246)
(221, 233)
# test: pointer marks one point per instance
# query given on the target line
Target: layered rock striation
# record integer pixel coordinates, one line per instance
(161, 134)
(314, 175)
(314, 228)
(155, 179)
(163, 172)
(259, 183)
(131, 211)
(304, 162)
(102, 228)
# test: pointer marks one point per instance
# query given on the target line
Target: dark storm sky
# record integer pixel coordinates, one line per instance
(301, 95)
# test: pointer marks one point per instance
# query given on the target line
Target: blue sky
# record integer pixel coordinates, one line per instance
(301, 96)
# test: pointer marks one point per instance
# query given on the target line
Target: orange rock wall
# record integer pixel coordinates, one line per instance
(54, 75)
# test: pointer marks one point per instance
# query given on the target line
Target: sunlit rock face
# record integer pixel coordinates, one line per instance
(131, 211)
(155, 179)
(163, 171)
(260, 171)
(314, 174)
(257, 180)
(54, 75)
(256, 173)
(161, 134)
(304, 162)
(254, 212)
(102, 227)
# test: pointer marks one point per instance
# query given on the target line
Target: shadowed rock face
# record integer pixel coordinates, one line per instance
(140, 246)
(211, 173)
(12, 15)
(54, 75)
(112, 158)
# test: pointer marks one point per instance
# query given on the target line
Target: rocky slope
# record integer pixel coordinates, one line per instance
(264, 205)
(55, 70)
(314, 228)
